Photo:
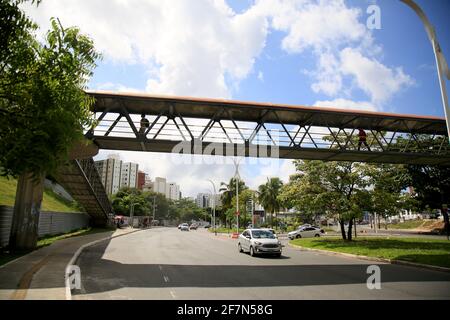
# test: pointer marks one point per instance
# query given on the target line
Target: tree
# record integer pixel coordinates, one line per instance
(268, 196)
(229, 191)
(289, 198)
(125, 198)
(387, 182)
(188, 210)
(43, 108)
(432, 186)
(244, 197)
(334, 188)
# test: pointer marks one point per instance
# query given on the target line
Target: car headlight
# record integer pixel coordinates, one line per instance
(279, 243)
(258, 243)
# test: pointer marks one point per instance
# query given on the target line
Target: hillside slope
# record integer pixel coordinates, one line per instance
(51, 201)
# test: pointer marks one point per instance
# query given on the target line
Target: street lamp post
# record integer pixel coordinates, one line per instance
(214, 206)
(236, 175)
(442, 66)
(154, 206)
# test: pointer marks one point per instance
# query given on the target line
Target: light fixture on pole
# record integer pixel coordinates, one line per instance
(214, 206)
(441, 64)
(237, 177)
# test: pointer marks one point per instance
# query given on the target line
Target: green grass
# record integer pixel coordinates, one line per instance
(420, 250)
(411, 224)
(5, 257)
(225, 230)
(48, 240)
(50, 202)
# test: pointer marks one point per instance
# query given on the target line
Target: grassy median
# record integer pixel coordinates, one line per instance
(419, 250)
(225, 230)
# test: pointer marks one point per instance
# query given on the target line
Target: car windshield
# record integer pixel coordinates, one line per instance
(262, 234)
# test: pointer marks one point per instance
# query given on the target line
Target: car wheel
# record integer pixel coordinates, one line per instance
(317, 235)
(298, 236)
(240, 248)
(252, 252)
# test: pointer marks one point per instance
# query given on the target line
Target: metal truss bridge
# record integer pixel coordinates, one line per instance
(235, 128)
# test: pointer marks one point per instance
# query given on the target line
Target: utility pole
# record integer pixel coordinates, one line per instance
(236, 175)
(214, 206)
(237, 203)
(154, 206)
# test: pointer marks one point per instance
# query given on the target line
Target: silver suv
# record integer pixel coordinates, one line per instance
(259, 241)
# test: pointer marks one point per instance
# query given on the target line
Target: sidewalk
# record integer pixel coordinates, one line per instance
(41, 273)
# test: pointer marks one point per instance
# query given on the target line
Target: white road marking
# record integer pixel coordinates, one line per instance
(172, 294)
(160, 268)
(166, 278)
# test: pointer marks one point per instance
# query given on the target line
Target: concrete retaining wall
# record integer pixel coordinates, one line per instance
(50, 223)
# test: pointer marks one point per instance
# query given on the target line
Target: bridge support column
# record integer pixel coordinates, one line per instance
(27, 207)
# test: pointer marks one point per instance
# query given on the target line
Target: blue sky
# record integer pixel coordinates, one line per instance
(286, 51)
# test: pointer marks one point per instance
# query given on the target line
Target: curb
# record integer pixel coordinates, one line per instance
(77, 254)
(390, 261)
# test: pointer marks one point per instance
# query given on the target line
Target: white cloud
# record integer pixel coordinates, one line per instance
(110, 86)
(344, 48)
(319, 25)
(374, 78)
(261, 76)
(204, 48)
(347, 104)
(189, 47)
(328, 80)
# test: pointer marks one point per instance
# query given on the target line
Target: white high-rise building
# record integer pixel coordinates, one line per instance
(115, 174)
(159, 185)
(129, 174)
(173, 191)
(202, 200)
(205, 200)
(109, 171)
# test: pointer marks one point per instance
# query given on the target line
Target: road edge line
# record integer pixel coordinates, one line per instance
(77, 254)
(390, 261)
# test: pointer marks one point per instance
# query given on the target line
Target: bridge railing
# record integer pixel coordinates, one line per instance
(271, 134)
(90, 171)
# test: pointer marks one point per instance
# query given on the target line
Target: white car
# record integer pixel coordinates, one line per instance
(305, 232)
(184, 227)
(259, 241)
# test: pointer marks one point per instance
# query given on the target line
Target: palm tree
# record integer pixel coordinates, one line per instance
(268, 196)
(229, 191)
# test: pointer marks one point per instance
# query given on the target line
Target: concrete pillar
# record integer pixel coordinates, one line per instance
(27, 207)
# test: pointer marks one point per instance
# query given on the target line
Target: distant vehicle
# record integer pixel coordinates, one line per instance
(193, 226)
(207, 226)
(259, 241)
(184, 227)
(179, 226)
(306, 232)
(271, 230)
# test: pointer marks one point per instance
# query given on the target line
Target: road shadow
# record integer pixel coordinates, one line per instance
(100, 275)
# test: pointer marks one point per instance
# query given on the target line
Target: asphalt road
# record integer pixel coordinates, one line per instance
(166, 263)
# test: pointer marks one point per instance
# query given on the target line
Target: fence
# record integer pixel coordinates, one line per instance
(50, 223)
